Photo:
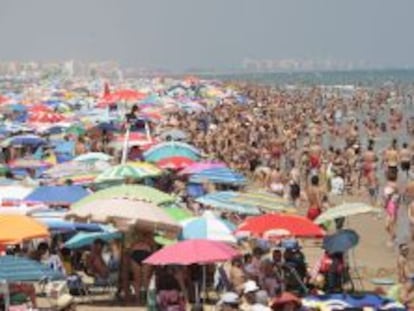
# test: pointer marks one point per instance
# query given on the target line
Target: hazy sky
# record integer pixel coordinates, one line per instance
(179, 34)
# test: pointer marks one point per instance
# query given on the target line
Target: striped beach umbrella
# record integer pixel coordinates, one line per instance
(171, 149)
(123, 171)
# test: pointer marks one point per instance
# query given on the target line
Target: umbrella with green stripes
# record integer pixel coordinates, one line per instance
(123, 171)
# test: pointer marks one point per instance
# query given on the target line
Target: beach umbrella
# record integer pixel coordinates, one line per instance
(174, 163)
(219, 176)
(133, 192)
(17, 228)
(123, 171)
(73, 168)
(60, 225)
(58, 195)
(171, 149)
(14, 192)
(83, 239)
(343, 301)
(341, 241)
(178, 214)
(197, 167)
(124, 213)
(36, 108)
(93, 157)
(45, 117)
(123, 95)
(175, 135)
(209, 227)
(345, 210)
(263, 200)
(23, 140)
(280, 225)
(135, 139)
(75, 129)
(21, 269)
(222, 200)
(24, 163)
(193, 252)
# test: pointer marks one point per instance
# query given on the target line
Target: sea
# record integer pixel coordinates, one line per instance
(365, 78)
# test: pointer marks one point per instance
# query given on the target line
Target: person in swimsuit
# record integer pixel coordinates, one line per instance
(141, 248)
(405, 159)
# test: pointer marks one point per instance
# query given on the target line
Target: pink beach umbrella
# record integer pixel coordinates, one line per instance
(198, 251)
(201, 166)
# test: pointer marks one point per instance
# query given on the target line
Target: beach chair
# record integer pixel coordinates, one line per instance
(92, 287)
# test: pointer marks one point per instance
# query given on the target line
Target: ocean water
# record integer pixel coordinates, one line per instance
(352, 77)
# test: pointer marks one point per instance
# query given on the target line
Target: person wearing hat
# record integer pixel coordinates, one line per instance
(229, 301)
(250, 289)
(262, 301)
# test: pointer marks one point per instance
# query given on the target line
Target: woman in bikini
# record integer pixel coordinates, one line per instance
(141, 248)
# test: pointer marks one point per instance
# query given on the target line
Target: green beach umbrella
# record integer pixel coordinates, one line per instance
(178, 214)
(122, 171)
(137, 192)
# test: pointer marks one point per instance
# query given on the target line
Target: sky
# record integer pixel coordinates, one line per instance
(182, 34)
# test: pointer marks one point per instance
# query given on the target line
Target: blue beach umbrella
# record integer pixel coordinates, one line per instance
(208, 227)
(83, 239)
(57, 195)
(222, 200)
(171, 149)
(221, 175)
(341, 241)
(20, 269)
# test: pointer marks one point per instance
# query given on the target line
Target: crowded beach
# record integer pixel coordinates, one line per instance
(179, 194)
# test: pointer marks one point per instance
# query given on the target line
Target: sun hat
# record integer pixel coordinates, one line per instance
(229, 298)
(250, 287)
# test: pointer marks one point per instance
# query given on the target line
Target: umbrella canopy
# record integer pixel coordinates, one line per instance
(134, 139)
(264, 200)
(23, 140)
(197, 167)
(133, 192)
(348, 301)
(60, 225)
(341, 241)
(281, 225)
(193, 252)
(93, 157)
(171, 149)
(17, 228)
(345, 210)
(123, 171)
(57, 195)
(174, 134)
(20, 269)
(28, 163)
(45, 117)
(219, 176)
(174, 163)
(222, 200)
(177, 213)
(209, 227)
(14, 192)
(83, 239)
(125, 213)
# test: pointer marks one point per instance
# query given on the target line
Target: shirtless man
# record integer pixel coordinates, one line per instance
(314, 194)
(405, 159)
(369, 159)
(391, 161)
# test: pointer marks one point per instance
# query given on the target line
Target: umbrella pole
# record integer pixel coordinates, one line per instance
(125, 148)
(204, 283)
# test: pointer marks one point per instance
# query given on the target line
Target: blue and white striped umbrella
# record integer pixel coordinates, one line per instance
(222, 200)
(208, 227)
(222, 175)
